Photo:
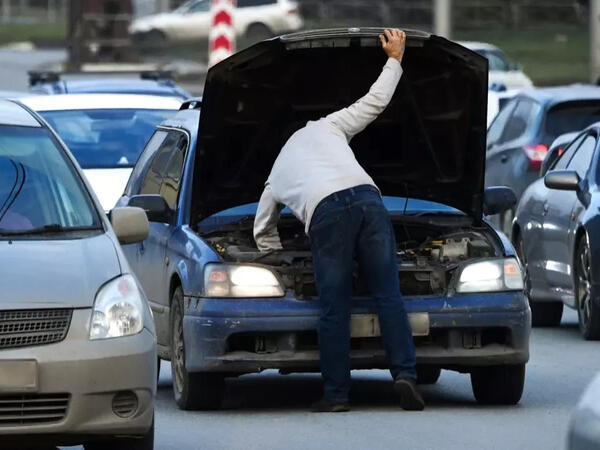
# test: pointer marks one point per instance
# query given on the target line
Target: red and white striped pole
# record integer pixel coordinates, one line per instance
(222, 32)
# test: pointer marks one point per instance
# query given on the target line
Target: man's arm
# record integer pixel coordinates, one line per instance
(356, 118)
(265, 222)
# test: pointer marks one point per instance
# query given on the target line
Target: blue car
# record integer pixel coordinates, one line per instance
(223, 309)
(142, 83)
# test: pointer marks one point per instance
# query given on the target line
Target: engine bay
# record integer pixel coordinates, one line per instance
(428, 254)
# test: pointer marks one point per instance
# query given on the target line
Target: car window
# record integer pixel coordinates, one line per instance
(106, 138)
(561, 163)
(497, 61)
(174, 172)
(153, 179)
(570, 116)
(580, 163)
(199, 6)
(520, 120)
(142, 165)
(246, 3)
(499, 123)
(39, 187)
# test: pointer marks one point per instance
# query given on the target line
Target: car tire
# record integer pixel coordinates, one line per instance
(543, 314)
(258, 32)
(587, 309)
(155, 39)
(191, 390)
(428, 374)
(145, 442)
(498, 385)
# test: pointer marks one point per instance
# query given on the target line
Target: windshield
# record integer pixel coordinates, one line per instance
(395, 206)
(39, 188)
(572, 116)
(497, 61)
(106, 138)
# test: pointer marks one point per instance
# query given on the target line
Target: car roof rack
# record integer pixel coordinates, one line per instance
(48, 76)
(40, 77)
(192, 103)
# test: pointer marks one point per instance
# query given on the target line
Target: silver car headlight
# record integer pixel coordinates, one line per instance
(233, 280)
(491, 275)
(118, 309)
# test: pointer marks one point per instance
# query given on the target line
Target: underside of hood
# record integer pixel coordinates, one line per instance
(428, 144)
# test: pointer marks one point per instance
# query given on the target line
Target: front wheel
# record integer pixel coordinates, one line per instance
(145, 442)
(587, 310)
(192, 390)
(498, 385)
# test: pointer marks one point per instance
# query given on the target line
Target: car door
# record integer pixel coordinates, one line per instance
(152, 253)
(195, 22)
(558, 218)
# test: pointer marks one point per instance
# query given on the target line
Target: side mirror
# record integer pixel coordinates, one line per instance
(549, 159)
(498, 199)
(129, 224)
(564, 180)
(154, 205)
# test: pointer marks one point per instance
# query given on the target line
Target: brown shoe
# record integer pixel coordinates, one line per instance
(410, 399)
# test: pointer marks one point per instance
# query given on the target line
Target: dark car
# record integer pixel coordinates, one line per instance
(519, 137)
(223, 309)
(144, 83)
(557, 234)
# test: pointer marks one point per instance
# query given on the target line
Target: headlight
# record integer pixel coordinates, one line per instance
(491, 275)
(223, 280)
(118, 310)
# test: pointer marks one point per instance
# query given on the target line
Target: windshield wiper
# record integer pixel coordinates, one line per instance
(48, 229)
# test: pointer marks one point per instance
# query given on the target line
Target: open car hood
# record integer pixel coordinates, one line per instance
(428, 144)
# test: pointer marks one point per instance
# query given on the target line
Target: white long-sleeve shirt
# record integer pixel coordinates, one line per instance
(318, 161)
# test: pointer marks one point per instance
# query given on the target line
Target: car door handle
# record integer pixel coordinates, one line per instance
(141, 248)
(546, 208)
(503, 159)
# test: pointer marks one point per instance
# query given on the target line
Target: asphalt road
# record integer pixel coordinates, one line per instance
(270, 411)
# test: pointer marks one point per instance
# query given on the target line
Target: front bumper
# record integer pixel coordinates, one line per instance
(91, 373)
(241, 336)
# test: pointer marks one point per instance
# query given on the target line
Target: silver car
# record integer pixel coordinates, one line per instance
(77, 339)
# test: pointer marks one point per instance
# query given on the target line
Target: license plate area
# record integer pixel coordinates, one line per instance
(18, 376)
(367, 325)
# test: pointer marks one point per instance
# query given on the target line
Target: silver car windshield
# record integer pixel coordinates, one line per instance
(106, 138)
(40, 191)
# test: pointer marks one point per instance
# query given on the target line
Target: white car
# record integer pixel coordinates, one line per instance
(254, 19)
(502, 72)
(105, 133)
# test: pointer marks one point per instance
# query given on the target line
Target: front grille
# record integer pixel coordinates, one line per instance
(28, 327)
(32, 409)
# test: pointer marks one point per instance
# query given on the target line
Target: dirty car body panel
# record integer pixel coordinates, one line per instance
(431, 174)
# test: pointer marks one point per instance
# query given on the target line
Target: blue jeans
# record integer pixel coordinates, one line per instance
(346, 226)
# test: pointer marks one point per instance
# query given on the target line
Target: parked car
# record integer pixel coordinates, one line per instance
(105, 132)
(222, 308)
(253, 19)
(519, 137)
(144, 83)
(556, 149)
(502, 71)
(584, 428)
(77, 340)
(556, 232)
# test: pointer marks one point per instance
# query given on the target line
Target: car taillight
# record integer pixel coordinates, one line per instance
(292, 12)
(535, 155)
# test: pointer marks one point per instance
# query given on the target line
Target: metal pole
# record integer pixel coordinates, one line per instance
(594, 41)
(442, 18)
